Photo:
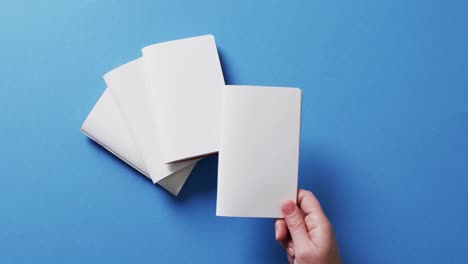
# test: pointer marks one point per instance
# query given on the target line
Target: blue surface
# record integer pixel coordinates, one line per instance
(384, 137)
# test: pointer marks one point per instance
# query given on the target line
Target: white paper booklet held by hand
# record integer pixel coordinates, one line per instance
(259, 150)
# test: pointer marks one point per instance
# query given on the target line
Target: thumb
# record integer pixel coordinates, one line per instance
(294, 218)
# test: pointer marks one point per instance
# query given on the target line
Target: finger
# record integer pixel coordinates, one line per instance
(312, 209)
(294, 219)
(289, 247)
(281, 230)
(290, 251)
(316, 221)
(308, 202)
(286, 243)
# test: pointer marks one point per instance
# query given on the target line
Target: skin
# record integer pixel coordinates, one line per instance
(306, 233)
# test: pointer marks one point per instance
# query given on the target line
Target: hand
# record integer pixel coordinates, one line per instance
(306, 233)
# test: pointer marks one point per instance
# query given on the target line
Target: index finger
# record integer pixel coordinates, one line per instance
(309, 203)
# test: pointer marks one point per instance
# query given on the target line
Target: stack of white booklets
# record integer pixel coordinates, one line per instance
(161, 113)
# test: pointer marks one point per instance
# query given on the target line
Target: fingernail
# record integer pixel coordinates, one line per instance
(288, 208)
(290, 251)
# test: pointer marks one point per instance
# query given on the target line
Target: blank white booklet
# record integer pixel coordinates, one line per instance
(127, 85)
(259, 150)
(106, 127)
(184, 82)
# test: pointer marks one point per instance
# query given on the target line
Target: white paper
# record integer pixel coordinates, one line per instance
(184, 81)
(259, 150)
(106, 127)
(127, 85)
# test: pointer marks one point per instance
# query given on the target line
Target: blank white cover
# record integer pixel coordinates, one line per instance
(127, 85)
(184, 80)
(259, 150)
(105, 126)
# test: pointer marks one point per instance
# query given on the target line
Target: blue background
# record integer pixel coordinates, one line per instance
(384, 137)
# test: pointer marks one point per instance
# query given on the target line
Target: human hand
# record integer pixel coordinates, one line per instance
(306, 233)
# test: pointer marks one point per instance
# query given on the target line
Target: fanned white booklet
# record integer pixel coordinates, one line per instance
(184, 83)
(259, 150)
(127, 85)
(106, 126)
